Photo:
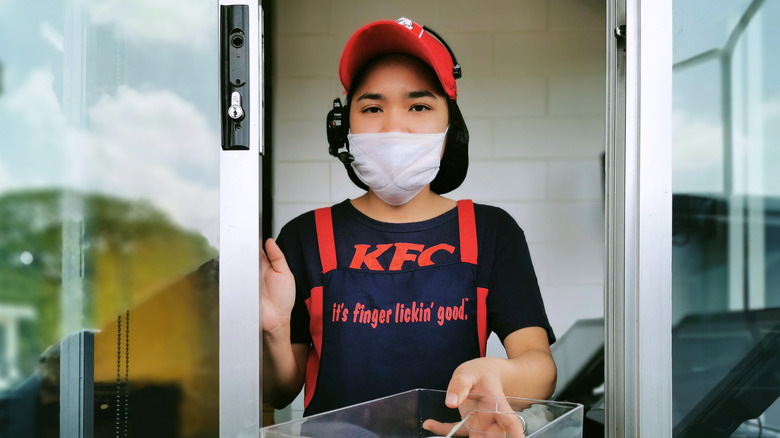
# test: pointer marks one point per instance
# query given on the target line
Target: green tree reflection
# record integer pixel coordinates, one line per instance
(129, 250)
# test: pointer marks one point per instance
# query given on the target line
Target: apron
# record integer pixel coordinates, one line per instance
(378, 333)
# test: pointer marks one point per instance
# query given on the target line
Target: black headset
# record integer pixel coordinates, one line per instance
(337, 133)
(337, 122)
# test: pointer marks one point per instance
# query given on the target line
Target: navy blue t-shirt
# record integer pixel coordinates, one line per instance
(363, 244)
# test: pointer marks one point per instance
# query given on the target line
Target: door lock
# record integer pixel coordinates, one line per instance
(235, 111)
(236, 88)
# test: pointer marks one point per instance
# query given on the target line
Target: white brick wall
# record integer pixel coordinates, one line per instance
(532, 94)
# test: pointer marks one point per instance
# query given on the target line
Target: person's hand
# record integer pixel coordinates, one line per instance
(476, 390)
(503, 422)
(478, 376)
(277, 287)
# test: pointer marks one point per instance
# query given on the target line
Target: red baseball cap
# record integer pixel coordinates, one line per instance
(399, 36)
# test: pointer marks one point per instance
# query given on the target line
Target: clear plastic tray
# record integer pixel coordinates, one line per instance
(402, 416)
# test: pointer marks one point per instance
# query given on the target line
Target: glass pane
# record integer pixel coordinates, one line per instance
(109, 187)
(698, 135)
(700, 26)
(726, 206)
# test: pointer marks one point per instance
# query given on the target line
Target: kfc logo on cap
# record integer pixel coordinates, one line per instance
(406, 22)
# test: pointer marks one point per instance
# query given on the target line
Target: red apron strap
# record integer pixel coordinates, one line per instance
(314, 305)
(468, 254)
(324, 223)
(482, 330)
(468, 231)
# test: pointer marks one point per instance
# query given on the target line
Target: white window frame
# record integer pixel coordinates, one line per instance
(638, 306)
(240, 394)
(638, 209)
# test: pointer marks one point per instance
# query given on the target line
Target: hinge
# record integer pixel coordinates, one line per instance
(620, 35)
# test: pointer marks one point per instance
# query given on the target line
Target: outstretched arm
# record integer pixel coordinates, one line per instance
(528, 372)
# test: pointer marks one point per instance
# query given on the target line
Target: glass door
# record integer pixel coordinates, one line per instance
(110, 219)
(726, 233)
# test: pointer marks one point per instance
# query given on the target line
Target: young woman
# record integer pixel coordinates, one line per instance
(399, 288)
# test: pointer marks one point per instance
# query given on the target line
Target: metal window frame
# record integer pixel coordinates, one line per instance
(77, 385)
(240, 395)
(638, 209)
(638, 307)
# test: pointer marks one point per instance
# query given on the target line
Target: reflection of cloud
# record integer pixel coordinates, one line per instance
(8, 8)
(35, 102)
(53, 36)
(31, 123)
(771, 124)
(154, 127)
(152, 145)
(6, 180)
(155, 146)
(697, 155)
(186, 22)
(771, 110)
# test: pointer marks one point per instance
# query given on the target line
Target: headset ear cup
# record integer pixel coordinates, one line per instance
(336, 127)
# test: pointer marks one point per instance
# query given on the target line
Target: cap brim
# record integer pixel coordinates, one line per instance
(383, 37)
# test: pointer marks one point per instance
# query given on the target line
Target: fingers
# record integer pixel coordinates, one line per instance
(275, 256)
(441, 429)
(511, 424)
(480, 422)
(458, 390)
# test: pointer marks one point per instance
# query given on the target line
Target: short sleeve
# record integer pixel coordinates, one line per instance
(505, 268)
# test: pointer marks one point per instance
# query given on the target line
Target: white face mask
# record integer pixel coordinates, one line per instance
(396, 166)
